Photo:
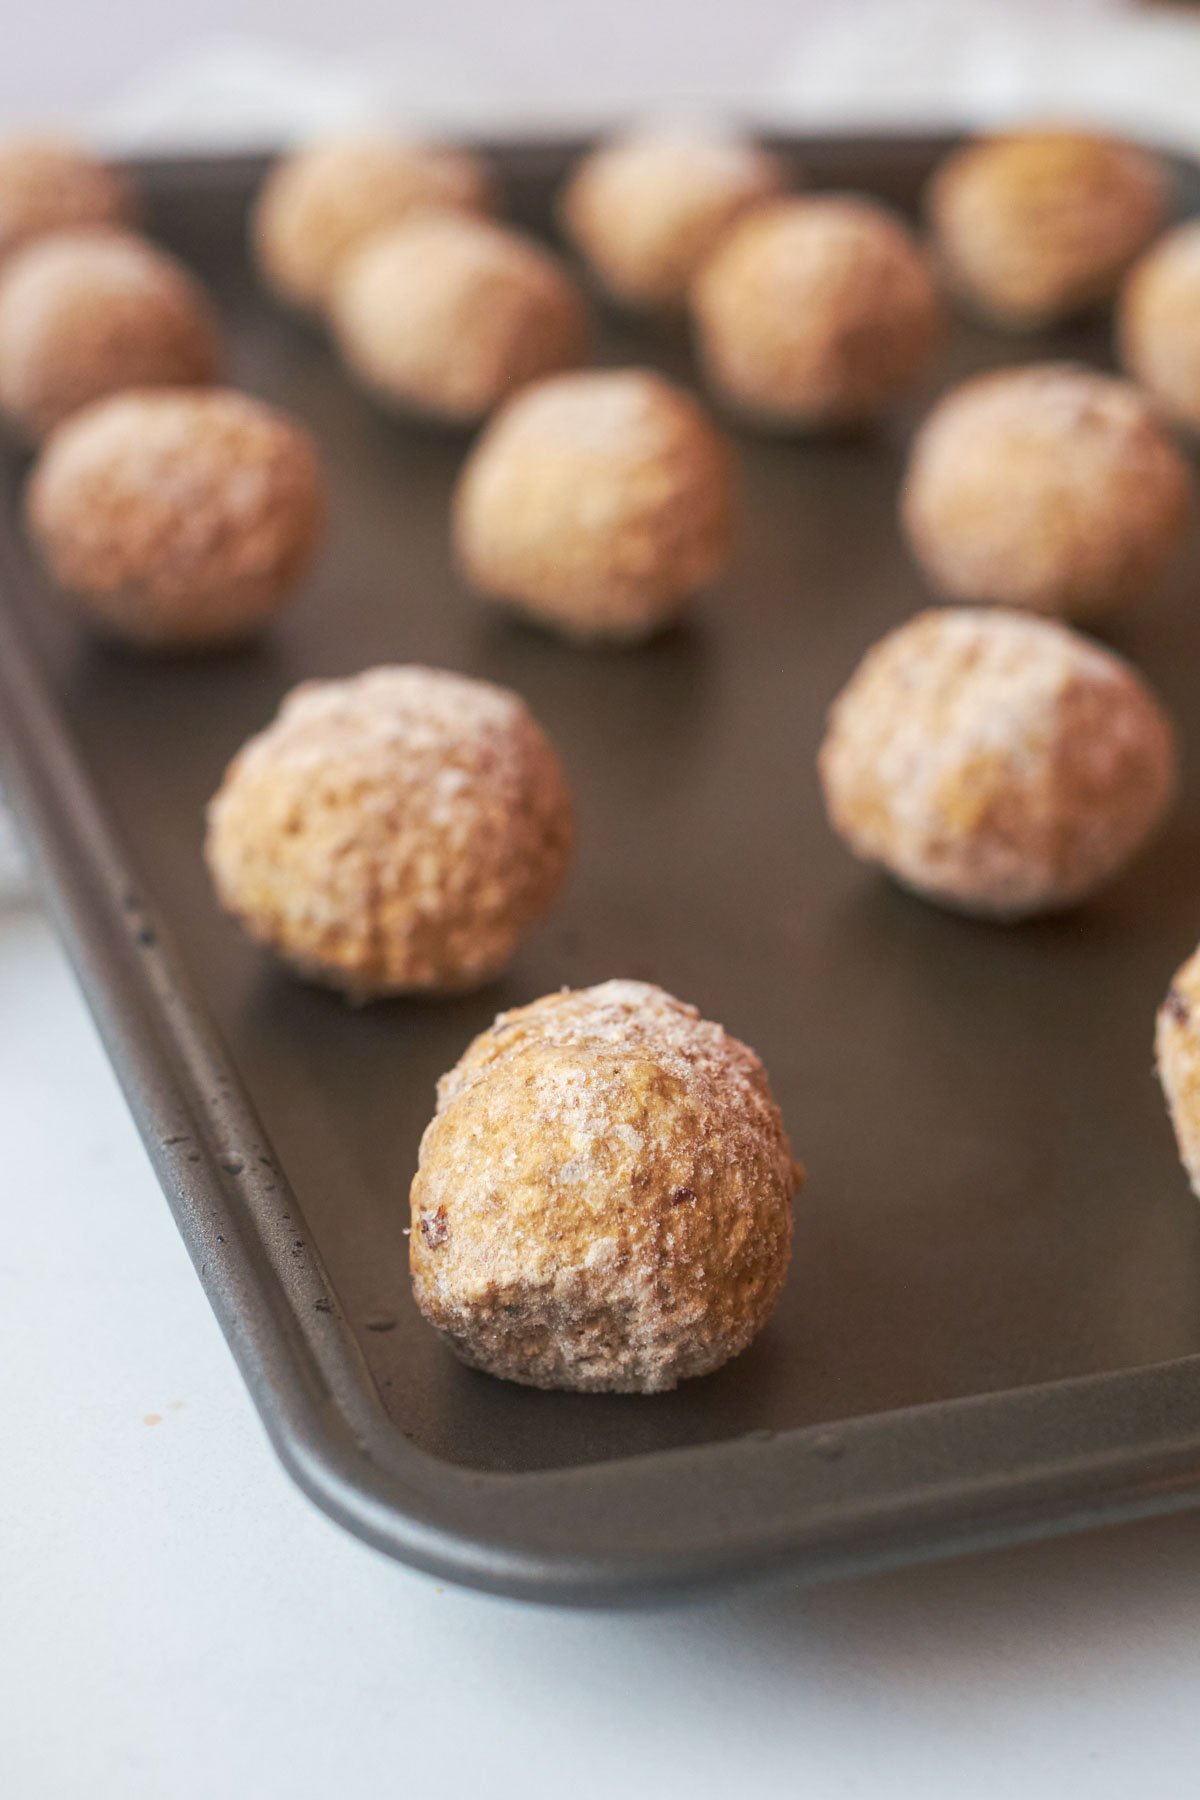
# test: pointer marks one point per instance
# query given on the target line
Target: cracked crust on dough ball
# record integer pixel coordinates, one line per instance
(604, 1197)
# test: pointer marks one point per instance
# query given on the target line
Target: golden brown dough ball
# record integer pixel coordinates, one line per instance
(86, 313)
(604, 1198)
(322, 201)
(445, 315)
(816, 312)
(1159, 324)
(597, 503)
(647, 208)
(1177, 1046)
(177, 518)
(1049, 487)
(996, 762)
(396, 832)
(1033, 226)
(47, 185)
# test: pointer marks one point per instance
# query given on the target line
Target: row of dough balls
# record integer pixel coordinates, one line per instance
(175, 512)
(402, 829)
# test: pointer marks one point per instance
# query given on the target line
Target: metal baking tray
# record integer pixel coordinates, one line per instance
(992, 1329)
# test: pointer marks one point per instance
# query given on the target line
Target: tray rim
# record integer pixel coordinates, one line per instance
(910, 1484)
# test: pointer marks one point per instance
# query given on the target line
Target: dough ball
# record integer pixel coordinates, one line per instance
(597, 503)
(177, 518)
(322, 201)
(1049, 487)
(1034, 226)
(48, 186)
(816, 312)
(646, 209)
(995, 762)
(604, 1197)
(1159, 324)
(446, 315)
(1177, 1043)
(395, 832)
(86, 313)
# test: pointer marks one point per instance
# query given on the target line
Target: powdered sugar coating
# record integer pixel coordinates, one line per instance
(177, 518)
(86, 313)
(1051, 487)
(996, 762)
(396, 831)
(817, 311)
(322, 201)
(1177, 1050)
(646, 209)
(47, 184)
(604, 1196)
(446, 315)
(1159, 324)
(597, 502)
(1032, 226)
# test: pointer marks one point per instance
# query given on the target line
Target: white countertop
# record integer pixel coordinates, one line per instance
(178, 1623)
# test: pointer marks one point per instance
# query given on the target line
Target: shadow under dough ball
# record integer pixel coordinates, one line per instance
(396, 832)
(326, 198)
(815, 313)
(1034, 226)
(604, 1197)
(177, 519)
(1050, 487)
(995, 762)
(644, 210)
(445, 316)
(597, 503)
(87, 313)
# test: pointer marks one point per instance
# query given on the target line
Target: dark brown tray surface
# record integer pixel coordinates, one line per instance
(994, 1199)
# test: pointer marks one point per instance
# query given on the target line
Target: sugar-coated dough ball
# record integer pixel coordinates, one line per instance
(86, 313)
(1034, 226)
(597, 503)
(1049, 487)
(177, 518)
(47, 185)
(996, 762)
(399, 831)
(1177, 1044)
(1159, 324)
(320, 202)
(445, 315)
(604, 1198)
(647, 208)
(816, 312)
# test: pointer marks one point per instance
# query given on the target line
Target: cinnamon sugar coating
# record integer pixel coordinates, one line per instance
(996, 762)
(1033, 226)
(1177, 1050)
(446, 315)
(177, 518)
(50, 185)
(397, 831)
(322, 201)
(604, 1197)
(597, 503)
(1050, 487)
(816, 312)
(645, 209)
(86, 313)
